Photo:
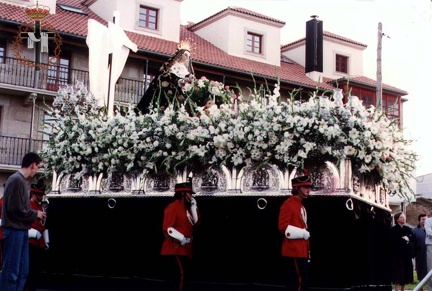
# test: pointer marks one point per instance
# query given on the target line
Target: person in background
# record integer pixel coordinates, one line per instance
(38, 237)
(180, 217)
(16, 219)
(420, 248)
(428, 242)
(401, 238)
(293, 225)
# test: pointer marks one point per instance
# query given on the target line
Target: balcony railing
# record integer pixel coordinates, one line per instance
(12, 149)
(12, 72)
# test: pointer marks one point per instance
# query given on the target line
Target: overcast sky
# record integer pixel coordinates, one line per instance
(406, 52)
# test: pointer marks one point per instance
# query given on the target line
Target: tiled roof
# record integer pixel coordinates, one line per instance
(328, 34)
(63, 21)
(345, 39)
(203, 51)
(239, 10)
(362, 80)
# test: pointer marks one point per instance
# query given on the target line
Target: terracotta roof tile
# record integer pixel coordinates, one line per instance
(63, 21)
(328, 34)
(345, 39)
(207, 53)
(239, 10)
(203, 51)
(362, 80)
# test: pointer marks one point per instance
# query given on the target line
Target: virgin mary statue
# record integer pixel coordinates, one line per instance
(166, 87)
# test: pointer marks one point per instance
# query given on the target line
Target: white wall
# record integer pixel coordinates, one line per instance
(105, 8)
(229, 34)
(355, 57)
(424, 186)
(297, 53)
(330, 48)
(169, 16)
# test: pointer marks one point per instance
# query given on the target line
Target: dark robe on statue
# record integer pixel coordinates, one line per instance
(166, 87)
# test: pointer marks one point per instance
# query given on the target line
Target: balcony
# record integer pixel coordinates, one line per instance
(12, 149)
(12, 72)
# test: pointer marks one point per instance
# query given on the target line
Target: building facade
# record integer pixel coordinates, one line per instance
(233, 46)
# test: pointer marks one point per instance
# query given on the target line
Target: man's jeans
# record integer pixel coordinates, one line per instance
(15, 260)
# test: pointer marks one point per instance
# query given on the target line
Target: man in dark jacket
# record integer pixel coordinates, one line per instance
(16, 219)
(420, 248)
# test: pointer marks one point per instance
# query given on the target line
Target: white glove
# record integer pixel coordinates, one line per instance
(46, 238)
(174, 233)
(194, 210)
(405, 238)
(293, 232)
(185, 241)
(33, 233)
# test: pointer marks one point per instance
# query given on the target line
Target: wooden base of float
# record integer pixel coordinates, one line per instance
(112, 242)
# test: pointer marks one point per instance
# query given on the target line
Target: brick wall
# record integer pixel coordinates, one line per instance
(422, 205)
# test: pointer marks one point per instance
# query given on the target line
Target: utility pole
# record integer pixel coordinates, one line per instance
(378, 73)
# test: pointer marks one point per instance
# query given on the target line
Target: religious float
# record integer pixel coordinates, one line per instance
(113, 176)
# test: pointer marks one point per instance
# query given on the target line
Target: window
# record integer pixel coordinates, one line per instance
(71, 8)
(148, 17)
(1, 118)
(368, 100)
(147, 80)
(341, 63)
(2, 51)
(365, 95)
(59, 74)
(390, 105)
(254, 43)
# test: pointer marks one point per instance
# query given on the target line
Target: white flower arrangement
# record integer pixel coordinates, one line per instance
(199, 90)
(258, 131)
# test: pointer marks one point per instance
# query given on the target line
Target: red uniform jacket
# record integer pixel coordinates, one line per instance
(40, 243)
(175, 216)
(293, 213)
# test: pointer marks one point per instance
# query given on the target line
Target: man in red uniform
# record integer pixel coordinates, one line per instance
(180, 216)
(38, 237)
(293, 224)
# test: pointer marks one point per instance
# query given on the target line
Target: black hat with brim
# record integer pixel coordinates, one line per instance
(183, 187)
(302, 181)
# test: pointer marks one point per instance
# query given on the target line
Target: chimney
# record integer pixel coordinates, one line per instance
(314, 49)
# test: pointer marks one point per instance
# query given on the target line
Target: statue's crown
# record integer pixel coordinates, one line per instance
(184, 45)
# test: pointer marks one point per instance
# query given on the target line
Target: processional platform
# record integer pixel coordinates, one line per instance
(111, 239)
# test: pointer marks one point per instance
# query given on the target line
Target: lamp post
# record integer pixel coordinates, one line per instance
(40, 39)
(33, 97)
